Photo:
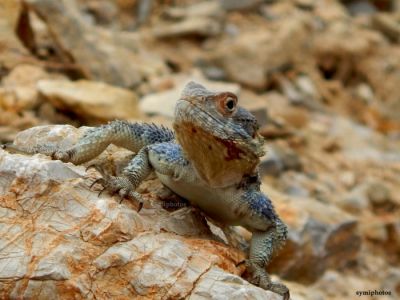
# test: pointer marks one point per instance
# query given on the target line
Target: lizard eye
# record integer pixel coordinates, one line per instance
(226, 103)
(230, 104)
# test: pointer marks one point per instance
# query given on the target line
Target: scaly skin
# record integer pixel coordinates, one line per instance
(212, 162)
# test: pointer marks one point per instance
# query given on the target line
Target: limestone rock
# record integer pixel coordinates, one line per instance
(197, 26)
(252, 57)
(19, 91)
(104, 55)
(321, 236)
(90, 100)
(279, 159)
(216, 284)
(12, 47)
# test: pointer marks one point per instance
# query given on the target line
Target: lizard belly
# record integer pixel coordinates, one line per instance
(217, 203)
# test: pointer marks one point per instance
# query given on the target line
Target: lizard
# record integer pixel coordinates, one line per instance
(209, 159)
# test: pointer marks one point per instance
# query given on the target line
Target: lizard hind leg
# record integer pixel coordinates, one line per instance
(262, 246)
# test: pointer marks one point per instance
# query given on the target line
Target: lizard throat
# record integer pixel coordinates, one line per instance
(219, 162)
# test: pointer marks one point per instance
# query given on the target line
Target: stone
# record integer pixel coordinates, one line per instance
(321, 237)
(365, 92)
(12, 47)
(257, 105)
(104, 12)
(301, 92)
(19, 87)
(374, 229)
(278, 160)
(392, 282)
(61, 240)
(378, 193)
(354, 202)
(202, 27)
(210, 287)
(120, 59)
(370, 193)
(252, 57)
(360, 7)
(305, 4)
(388, 25)
(90, 100)
(342, 286)
(240, 4)
(200, 9)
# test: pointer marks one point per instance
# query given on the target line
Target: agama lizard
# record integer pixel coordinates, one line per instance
(211, 160)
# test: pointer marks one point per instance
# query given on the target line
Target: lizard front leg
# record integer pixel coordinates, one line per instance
(133, 174)
(262, 246)
(132, 136)
(269, 234)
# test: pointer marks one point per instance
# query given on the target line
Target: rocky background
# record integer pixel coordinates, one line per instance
(323, 79)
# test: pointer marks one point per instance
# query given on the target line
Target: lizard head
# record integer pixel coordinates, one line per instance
(217, 135)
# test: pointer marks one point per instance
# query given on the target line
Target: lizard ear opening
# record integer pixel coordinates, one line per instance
(226, 103)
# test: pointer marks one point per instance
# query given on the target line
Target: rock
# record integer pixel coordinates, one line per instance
(61, 239)
(120, 59)
(216, 284)
(360, 7)
(321, 236)
(143, 11)
(163, 103)
(388, 25)
(301, 93)
(252, 57)
(370, 193)
(374, 229)
(354, 202)
(12, 47)
(201, 9)
(341, 285)
(202, 27)
(213, 73)
(257, 105)
(378, 193)
(354, 137)
(199, 19)
(94, 101)
(288, 89)
(19, 87)
(392, 282)
(104, 12)
(365, 92)
(240, 4)
(279, 159)
(305, 4)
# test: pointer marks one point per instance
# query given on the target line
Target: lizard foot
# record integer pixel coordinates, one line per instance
(50, 150)
(261, 278)
(117, 185)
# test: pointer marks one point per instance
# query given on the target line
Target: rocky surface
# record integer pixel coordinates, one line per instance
(60, 238)
(322, 79)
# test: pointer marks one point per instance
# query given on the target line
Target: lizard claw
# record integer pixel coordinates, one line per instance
(286, 296)
(97, 168)
(94, 182)
(116, 185)
(261, 278)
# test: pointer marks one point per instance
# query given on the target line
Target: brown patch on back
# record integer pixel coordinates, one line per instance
(219, 162)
